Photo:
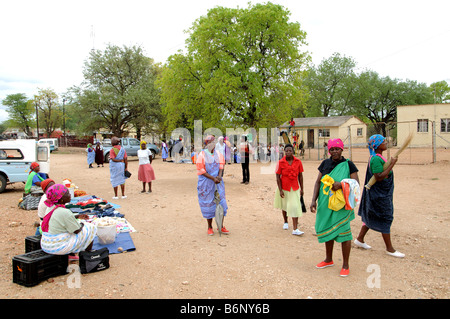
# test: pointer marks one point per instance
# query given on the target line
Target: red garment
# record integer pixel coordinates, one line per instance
(289, 173)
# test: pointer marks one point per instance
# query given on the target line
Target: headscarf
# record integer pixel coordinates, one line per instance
(54, 194)
(45, 183)
(33, 166)
(335, 142)
(375, 141)
(209, 139)
(143, 142)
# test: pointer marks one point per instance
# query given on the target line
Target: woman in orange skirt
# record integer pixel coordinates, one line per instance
(146, 174)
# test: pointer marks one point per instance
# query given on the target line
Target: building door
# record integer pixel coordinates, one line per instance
(310, 138)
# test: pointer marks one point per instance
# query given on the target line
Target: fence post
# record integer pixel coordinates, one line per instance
(350, 142)
(433, 125)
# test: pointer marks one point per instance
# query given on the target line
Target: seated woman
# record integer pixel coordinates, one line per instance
(42, 208)
(34, 180)
(62, 233)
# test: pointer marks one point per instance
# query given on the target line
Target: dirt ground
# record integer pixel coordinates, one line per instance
(175, 259)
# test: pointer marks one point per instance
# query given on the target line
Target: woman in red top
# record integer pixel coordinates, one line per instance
(290, 187)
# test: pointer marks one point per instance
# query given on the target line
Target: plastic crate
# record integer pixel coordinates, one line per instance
(31, 268)
(32, 243)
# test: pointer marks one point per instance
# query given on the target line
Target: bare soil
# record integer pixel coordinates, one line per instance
(175, 259)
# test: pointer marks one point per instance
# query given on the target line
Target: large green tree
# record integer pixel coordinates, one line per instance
(243, 67)
(440, 91)
(21, 112)
(117, 89)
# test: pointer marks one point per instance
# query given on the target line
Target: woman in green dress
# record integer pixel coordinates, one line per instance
(332, 225)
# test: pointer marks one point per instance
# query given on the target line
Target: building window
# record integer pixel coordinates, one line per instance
(359, 132)
(324, 132)
(445, 125)
(422, 125)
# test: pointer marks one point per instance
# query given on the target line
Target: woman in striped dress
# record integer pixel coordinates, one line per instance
(62, 233)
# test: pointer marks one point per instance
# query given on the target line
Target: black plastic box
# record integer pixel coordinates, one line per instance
(31, 268)
(32, 243)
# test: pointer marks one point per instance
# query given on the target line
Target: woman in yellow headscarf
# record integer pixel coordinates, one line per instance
(146, 174)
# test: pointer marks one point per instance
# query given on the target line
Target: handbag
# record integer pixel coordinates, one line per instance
(127, 174)
(93, 261)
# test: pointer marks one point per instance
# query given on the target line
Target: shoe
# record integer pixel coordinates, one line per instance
(362, 245)
(225, 231)
(323, 264)
(285, 226)
(344, 272)
(123, 197)
(115, 197)
(396, 254)
(297, 232)
(210, 231)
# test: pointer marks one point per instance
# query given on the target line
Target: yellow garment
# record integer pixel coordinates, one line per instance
(336, 199)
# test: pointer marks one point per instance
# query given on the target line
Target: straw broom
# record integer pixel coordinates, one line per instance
(372, 180)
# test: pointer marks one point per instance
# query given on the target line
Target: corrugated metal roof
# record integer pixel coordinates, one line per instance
(330, 121)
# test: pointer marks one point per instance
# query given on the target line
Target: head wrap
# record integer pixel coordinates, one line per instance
(143, 142)
(209, 139)
(335, 142)
(375, 141)
(33, 166)
(54, 194)
(45, 183)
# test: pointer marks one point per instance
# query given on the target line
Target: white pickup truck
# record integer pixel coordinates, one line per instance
(16, 157)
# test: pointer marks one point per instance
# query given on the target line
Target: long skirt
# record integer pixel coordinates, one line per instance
(146, 173)
(67, 243)
(290, 203)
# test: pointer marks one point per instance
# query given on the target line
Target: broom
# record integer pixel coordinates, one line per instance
(372, 180)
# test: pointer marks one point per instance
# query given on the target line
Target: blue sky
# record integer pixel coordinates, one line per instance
(45, 42)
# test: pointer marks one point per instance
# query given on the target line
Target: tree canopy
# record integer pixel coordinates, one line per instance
(242, 67)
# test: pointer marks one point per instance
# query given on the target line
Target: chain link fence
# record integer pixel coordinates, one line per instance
(430, 141)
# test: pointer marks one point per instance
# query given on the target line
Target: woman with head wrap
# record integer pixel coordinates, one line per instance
(146, 174)
(62, 233)
(35, 177)
(118, 164)
(333, 225)
(90, 155)
(377, 209)
(210, 165)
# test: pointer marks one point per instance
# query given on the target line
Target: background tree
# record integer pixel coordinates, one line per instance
(331, 86)
(243, 67)
(49, 110)
(115, 91)
(441, 92)
(377, 98)
(21, 112)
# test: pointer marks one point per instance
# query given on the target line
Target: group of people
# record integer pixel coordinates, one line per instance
(95, 154)
(332, 222)
(66, 233)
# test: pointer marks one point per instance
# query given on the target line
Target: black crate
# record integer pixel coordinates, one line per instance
(32, 243)
(31, 268)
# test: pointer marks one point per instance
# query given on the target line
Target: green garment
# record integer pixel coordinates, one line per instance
(333, 225)
(30, 181)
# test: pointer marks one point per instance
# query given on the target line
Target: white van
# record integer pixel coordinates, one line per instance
(16, 157)
(53, 142)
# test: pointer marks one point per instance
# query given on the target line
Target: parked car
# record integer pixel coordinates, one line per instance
(16, 157)
(131, 145)
(53, 142)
